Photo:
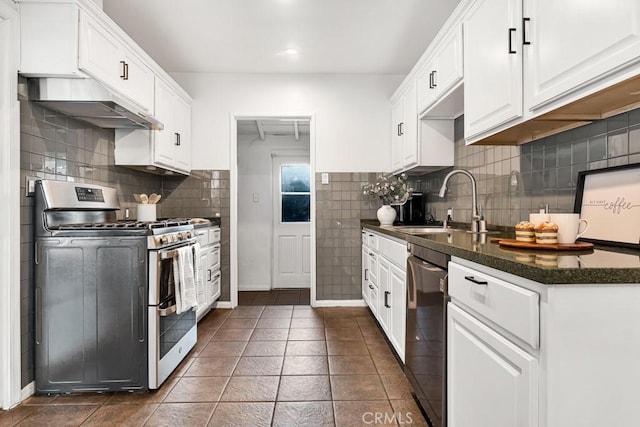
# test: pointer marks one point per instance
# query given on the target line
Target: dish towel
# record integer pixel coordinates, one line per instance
(198, 274)
(184, 279)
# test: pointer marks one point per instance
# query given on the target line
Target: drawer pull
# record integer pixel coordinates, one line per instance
(476, 281)
(370, 286)
(386, 299)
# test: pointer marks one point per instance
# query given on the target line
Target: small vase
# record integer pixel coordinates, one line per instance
(386, 215)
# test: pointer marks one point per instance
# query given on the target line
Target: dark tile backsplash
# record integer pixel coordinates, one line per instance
(53, 146)
(515, 181)
(339, 207)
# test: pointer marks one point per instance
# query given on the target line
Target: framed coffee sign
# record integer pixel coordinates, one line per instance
(610, 200)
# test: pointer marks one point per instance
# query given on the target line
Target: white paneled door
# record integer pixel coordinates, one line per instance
(292, 222)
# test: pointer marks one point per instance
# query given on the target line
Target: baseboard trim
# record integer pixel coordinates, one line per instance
(254, 287)
(28, 391)
(340, 303)
(222, 304)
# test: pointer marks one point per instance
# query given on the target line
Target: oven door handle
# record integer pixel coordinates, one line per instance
(174, 252)
(164, 312)
(169, 254)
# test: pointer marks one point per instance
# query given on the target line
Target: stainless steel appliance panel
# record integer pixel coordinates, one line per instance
(425, 345)
(90, 314)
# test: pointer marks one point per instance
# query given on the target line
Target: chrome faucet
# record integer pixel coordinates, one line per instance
(477, 221)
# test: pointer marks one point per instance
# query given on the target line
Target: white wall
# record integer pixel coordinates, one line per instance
(255, 220)
(352, 112)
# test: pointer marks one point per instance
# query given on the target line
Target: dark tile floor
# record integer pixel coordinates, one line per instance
(275, 297)
(257, 366)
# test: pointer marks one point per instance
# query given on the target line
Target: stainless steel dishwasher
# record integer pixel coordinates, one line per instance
(425, 345)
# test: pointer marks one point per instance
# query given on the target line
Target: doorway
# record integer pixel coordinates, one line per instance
(274, 192)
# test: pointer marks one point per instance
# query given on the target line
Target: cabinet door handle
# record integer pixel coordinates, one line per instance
(401, 129)
(177, 138)
(370, 286)
(398, 132)
(476, 281)
(525, 22)
(511, 32)
(386, 299)
(209, 275)
(432, 79)
(125, 71)
(366, 270)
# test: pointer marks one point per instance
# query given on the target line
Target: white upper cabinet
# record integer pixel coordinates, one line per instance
(443, 71)
(163, 150)
(562, 63)
(492, 65)
(577, 42)
(75, 40)
(104, 57)
(404, 130)
(172, 144)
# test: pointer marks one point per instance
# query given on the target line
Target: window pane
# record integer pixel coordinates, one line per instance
(295, 179)
(295, 208)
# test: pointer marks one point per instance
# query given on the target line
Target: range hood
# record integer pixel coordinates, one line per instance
(90, 101)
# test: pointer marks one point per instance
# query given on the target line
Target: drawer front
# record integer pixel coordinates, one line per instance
(512, 307)
(372, 241)
(395, 252)
(373, 267)
(215, 251)
(214, 235)
(203, 237)
(373, 299)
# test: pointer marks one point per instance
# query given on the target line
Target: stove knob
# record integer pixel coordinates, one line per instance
(180, 236)
(158, 240)
(164, 240)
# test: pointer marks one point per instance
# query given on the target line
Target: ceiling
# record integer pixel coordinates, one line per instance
(251, 36)
(273, 127)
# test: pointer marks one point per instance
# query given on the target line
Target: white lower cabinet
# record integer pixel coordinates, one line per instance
(397, 301)
(491, 382)
(383, 284)
(208, 290)
(384, 288)
(520, 353)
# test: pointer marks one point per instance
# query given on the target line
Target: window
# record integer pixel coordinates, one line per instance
(295, 193)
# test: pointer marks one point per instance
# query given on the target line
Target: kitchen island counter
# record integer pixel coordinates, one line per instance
(601, 265)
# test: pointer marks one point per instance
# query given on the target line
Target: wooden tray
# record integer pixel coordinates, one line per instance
(512, 243)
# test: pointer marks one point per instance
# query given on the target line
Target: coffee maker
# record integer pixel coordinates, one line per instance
(412, 212)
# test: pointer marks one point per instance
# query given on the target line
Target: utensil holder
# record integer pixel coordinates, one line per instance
(146, 212)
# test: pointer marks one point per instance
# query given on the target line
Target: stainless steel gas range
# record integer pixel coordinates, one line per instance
(105, 294)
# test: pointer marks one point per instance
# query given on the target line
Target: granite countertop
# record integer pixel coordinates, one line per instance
(603, 264)
(207, 222)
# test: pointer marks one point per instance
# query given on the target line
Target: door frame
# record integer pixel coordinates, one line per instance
(10, 381)
(233, 176)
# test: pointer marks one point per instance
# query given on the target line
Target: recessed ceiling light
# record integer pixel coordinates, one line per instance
(291, 52)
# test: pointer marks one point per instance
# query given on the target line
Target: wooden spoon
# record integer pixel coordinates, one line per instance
(137, 198)
(154, 198)
(144, 199)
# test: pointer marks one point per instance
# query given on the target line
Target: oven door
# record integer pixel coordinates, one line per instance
(171, 335)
